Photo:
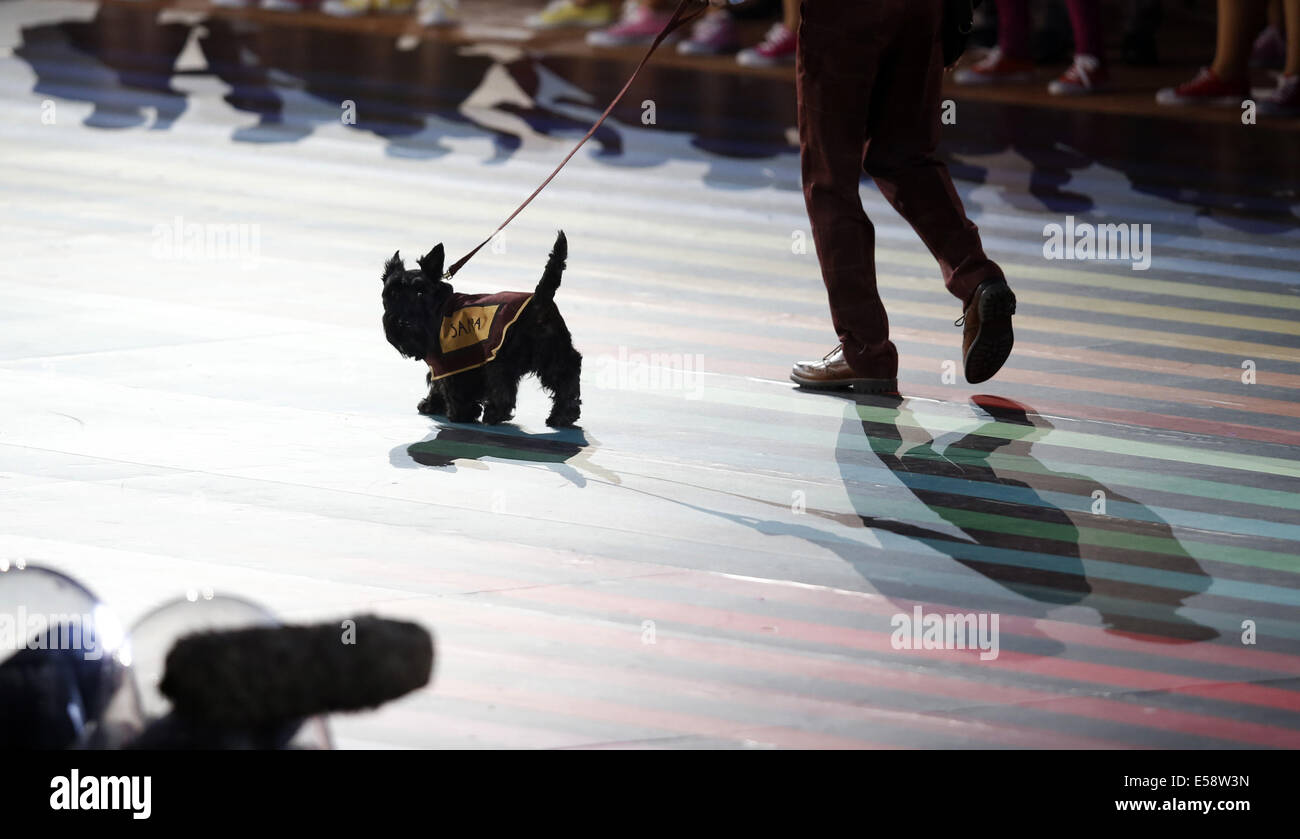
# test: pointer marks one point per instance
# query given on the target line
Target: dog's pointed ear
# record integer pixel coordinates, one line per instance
(431, 262)
(394, 266)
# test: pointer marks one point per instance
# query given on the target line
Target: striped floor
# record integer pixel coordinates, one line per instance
(714, 559)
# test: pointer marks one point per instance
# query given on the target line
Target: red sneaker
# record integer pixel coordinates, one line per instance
(993, 68)
(779, 47)
(1086, 75)
(1206, 89)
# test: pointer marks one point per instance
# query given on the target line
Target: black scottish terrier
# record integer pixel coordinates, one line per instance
(478, 347)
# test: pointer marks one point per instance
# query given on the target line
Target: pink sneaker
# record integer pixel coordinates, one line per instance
(779, 47)
(714, 34)
(639, 26)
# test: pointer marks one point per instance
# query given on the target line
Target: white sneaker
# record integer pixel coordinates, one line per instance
(1283, 101)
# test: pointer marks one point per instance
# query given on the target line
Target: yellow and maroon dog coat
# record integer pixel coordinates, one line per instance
(473, 328)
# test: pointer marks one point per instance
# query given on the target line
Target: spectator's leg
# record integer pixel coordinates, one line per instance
(1085, 18)
(1285, 100)
(835, 74)
(1292, 66)
(1014, 28)
(1239, 23)
(904, 128)
(1270, 45)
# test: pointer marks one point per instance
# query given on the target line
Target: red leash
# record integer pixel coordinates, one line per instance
(679, 18)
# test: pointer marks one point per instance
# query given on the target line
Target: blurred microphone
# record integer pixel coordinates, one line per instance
(262, 677)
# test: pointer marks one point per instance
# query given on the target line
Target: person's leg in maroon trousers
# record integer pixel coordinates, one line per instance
(868, 81)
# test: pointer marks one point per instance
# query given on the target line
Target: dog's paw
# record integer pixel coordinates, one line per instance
(468, 413)
(491, 417)
(563, 418)
(431, 407)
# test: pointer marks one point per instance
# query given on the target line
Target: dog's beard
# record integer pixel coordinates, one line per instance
(408, 337)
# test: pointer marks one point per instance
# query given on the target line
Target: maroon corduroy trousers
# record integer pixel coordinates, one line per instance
(868, 80)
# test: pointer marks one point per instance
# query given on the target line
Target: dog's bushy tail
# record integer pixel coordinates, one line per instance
(554, 269)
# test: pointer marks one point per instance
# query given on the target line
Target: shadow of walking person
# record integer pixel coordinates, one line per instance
(1015, 521)
(1008, 505)
(997, 513)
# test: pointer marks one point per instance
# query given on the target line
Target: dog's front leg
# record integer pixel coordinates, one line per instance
(433, 403)
(462, 399)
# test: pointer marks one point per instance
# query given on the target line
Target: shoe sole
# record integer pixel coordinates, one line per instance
(745, 60)
(691, 48)
(977, 81)
(614, 43)
(858, 385)
(995, 338)
(1205, 101)
(351, 14)
(542, 26)
(1074, 90)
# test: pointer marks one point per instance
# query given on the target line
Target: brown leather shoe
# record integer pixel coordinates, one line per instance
(834, 372)
(987, 338)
